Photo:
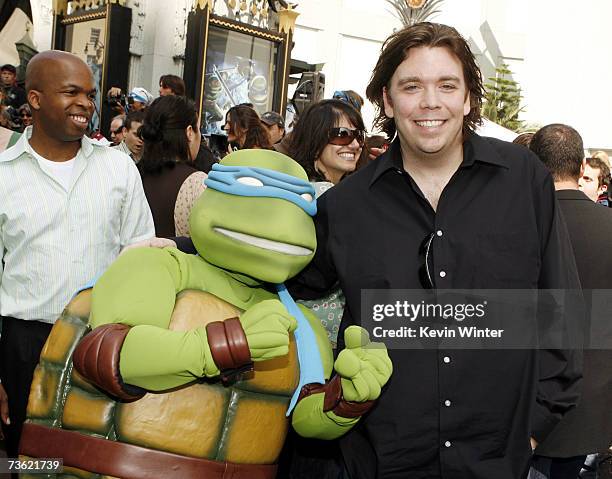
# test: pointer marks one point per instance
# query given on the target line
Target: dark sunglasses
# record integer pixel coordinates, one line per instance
(345, 136)
(425, 270)
(118, 130)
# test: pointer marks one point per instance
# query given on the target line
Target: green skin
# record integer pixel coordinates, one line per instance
(140, 288)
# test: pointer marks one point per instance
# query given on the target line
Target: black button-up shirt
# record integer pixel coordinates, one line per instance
(454, 413)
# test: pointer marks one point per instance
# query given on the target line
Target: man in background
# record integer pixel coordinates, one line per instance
(117, 129)
(595, 180)
(171, 85)
(587, 428)
(12, 95)
(275, 124)
(132, 145)
(139, 99)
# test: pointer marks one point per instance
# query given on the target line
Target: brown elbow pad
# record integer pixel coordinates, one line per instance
(334, 401)
(96, 358)
(228, 345)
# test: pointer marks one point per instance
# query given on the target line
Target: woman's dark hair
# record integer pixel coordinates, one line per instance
(431, 35)
(243, 120)
(175, 83)
(163, 132)
(311, 134)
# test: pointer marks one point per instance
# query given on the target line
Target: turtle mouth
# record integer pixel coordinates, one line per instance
(264, 243)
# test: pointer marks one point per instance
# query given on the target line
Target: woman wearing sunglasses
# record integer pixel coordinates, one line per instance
(328, 140)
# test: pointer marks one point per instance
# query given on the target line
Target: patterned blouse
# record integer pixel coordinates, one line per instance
(190, 191)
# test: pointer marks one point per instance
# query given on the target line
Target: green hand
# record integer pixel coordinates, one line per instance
(363, 366)
(267, 326)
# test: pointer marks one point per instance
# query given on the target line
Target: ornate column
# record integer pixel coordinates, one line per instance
(286, 26)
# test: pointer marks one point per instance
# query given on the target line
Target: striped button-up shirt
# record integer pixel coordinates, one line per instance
(124, 148)
(54, 241)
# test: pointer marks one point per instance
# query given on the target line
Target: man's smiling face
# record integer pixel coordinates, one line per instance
(65, 103)
(428, 98)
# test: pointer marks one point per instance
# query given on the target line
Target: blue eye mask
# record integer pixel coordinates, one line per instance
(248, 181)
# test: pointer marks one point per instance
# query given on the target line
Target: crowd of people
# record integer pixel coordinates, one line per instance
(426, 205)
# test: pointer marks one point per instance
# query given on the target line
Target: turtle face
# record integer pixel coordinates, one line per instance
(252, 218)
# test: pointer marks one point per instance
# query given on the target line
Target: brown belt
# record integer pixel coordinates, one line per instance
(128, 461)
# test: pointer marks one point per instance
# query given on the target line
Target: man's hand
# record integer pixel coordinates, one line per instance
(363, 366)
(267, 326)
(4, 409)
(114, 91)
(151, 243)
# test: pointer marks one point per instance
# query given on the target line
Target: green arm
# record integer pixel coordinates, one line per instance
(140, 287)
(308, 418)
(364, 368)
(139, 290)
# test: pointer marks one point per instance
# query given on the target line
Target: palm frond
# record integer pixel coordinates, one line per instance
(401, 10)
(410, 16)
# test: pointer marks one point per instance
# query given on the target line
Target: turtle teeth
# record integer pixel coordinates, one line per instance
(265, 243)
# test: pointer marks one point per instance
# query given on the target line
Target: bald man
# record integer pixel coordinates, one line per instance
(67, 207)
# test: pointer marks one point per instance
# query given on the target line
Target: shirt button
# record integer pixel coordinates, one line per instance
(447, 403)
(442, 274)
(446, 359)
(448, 444)
(439, 233)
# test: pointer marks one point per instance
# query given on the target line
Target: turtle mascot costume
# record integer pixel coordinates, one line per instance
(187, 366)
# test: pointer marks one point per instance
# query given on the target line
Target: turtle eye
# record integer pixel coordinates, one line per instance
(250, 181)
(307, 196)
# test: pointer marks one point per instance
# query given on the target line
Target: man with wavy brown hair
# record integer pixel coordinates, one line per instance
(443, 209)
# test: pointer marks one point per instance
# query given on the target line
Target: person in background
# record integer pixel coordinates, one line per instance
(171, 85)
(205, 158)
(67, 207)
(374, 145)
(587, 428)
(275, 124)
(523, 139)
(117, 129)
(595, 180)
(602, 155)
(7, 137)
(13, 95)
(245, 130)
(328, 140)
(351, 97)
(171, 135)
(25, 116)
(132, 142)
(139, 99)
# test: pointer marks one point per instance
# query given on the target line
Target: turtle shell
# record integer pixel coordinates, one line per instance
(242, 423)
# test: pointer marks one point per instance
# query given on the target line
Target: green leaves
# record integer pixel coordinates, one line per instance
(502, 103)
